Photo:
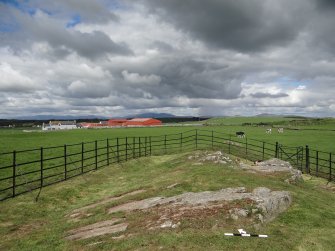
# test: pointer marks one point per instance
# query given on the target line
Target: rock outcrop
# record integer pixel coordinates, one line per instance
(261, 205)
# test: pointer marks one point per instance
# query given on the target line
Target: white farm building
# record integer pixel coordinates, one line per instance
(59, 125)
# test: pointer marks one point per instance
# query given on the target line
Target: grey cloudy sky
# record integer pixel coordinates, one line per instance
(192, 57)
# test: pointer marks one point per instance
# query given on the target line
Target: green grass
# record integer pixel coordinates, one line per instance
(247, 120)
(322, 140)
(17, 139)
(317, 133)
(290, 122)
(28, 225)
(310, 133)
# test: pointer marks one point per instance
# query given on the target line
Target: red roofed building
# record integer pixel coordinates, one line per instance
(92, 125)
(117, 122)
(143, 122)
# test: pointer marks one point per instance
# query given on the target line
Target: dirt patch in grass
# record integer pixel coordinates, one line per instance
(25, 229)
(97, 229)
(80, 213)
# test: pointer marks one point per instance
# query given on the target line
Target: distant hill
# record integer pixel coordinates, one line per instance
(268, 115)
(152, 115)
(90, 117)
(60, 117)
(281, 115)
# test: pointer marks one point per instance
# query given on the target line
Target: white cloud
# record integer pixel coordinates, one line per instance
(136, 78)
(301, 87)
(14, 81)
(83, 89)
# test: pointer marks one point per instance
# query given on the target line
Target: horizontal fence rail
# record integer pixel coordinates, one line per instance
(27, 170)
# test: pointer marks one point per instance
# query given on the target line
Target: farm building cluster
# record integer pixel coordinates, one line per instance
(135, 122)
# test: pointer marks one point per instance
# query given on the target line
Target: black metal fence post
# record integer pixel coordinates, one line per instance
(41, 166)
(118, 150)
(96, 155)
(307, 159)
(133, 147)
(277, 150)
(317, 164)
(165, 144)
(150, 146)
(82, 157)
(126, 148)
(145, 146)
(65, 162)
(330, 167)
(212, 139)
(139, 147)
(301, 158)
(107, 153)
(14, 173)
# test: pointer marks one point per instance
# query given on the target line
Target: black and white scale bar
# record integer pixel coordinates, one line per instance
(247, 235)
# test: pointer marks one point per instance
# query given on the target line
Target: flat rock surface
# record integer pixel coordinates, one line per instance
(270, 203)
(215, 157)
(106, 200)
(268, 166)
(250, 207)
(97, 229)
(275, 165)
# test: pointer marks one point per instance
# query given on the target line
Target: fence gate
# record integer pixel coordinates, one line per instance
(294, 155)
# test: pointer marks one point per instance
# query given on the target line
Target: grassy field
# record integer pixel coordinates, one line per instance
(29, 225)
(317, 133)
(17, 139)
(289, 122)
(244, 120)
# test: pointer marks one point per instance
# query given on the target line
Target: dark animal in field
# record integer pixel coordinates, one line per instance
(240, 134)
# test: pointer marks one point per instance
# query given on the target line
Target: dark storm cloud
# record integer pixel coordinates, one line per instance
(199, 79)
(268, 95)
(162, 46)
(127, 102)
(180, 75)
(41, 27)
(242, 25)
(90, 45)
(89, 11)
(326, 4)
(321, 29)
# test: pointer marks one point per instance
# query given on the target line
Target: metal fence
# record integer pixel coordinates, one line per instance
(27, 170)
